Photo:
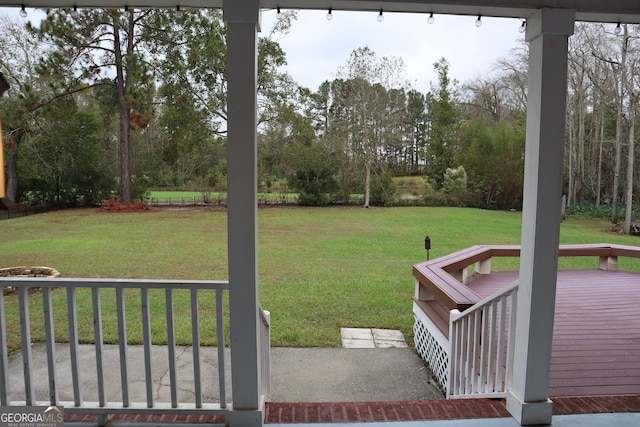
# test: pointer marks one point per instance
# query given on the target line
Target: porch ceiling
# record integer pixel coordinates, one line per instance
(586, 10)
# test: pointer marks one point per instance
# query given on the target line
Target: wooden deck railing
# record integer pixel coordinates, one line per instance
(129, 294)
(454, 329)
(444, 279)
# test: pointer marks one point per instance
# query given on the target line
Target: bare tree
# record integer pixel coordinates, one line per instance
(369, 82)
(631, 118)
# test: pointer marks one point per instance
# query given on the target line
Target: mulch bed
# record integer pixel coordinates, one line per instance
(114, 205)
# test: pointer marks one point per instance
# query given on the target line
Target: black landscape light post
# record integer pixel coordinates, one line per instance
(427, 245)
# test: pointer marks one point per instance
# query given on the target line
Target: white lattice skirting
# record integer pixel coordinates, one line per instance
(432, 346)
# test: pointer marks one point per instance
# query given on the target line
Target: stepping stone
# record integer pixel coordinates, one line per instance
(357, 338)
(372, 338)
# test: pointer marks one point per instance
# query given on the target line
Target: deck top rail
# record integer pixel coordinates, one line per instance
(444, 279)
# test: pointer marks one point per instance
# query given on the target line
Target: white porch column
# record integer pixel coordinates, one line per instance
(242, 19)
(548, 31)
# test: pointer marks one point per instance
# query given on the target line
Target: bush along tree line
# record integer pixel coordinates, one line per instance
(115, 102)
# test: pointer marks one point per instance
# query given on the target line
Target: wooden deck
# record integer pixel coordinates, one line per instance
(596, 339)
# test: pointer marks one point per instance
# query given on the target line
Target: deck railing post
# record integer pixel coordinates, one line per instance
(608, 263)
(422, 293)
(484, 266)
(461, 275)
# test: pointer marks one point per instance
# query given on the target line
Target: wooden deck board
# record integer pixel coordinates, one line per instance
(596, 339)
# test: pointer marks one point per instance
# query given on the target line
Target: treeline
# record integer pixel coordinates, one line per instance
(117, 102)
(367, 126)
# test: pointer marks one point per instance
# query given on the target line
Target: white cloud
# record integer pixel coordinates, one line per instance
(316, 48)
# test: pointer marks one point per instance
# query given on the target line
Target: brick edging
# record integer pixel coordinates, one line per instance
(414, 410)
(424, 410)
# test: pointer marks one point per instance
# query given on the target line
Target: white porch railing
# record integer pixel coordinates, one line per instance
(202, 295)
(481, 346)
(265, 356)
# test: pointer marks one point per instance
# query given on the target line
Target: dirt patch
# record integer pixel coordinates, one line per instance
(634, 230)
(114, 205)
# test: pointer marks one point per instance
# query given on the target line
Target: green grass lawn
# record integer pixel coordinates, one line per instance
(320, 268)
(192, 197)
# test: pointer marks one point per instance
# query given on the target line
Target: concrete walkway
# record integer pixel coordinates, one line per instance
(349, 375)
(395, 378)
(298, 374)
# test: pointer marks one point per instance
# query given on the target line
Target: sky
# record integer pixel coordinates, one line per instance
(316, 47)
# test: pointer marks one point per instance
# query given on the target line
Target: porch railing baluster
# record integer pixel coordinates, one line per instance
(171, 343)
(74, 351)
(492, 351)
(98, 345)
(4, 360)
(195, 343)
(146, 341)
(25, 333)
(50, 339)
(220, 338)
(123, 346)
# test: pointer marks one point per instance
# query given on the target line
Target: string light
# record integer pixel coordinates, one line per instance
(380, 16)
(278, 13)
(430, 19)
(329, 15)
(479, 21)
(523, 27)
(23, 12)
(618, 29)
(178, 9)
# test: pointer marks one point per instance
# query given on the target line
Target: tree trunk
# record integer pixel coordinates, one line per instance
(582, 109)
(621, 86)
(12, 171)
(124, 112)
(367, 180)
(599, 132)
(630, 161)
(570, 157)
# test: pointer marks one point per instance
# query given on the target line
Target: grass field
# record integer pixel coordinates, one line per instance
(320, 268)
(197, 197)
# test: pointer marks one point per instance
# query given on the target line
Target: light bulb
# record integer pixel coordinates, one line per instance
(430, 19)
(479, 21)
(523, 27)
(329, 15)
(618, 29)
(380, 16)
(278, 13)
(23, 12)
(178, 9)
